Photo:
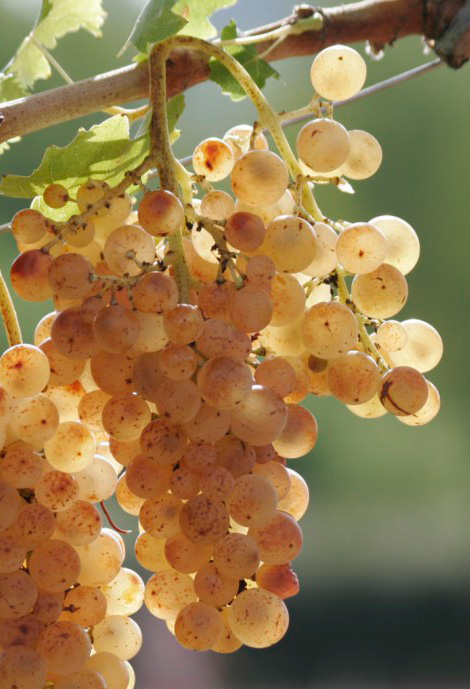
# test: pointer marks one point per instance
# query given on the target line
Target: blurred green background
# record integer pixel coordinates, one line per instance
(385, 568)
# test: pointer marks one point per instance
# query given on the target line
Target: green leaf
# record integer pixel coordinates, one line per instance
(248, 56)
(56, 19)
(160, 19)
(155, 23)
(102, 152)
(174, 110)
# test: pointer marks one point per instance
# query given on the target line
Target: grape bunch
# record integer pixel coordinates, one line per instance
(183, 397)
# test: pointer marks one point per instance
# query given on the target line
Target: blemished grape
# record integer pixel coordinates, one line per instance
(209, 424)
(279, 539)
(119, 635)
(71, 448)
(279, 579)
(160, 516)
(84, 605)
(325, 259)
(365, 155)
(402, 242)
(391, 336)
(252, 501)
(198, 626)
(423, 349)
(29, 275)
(125, 416)
(70, 276)
(380, 294)
(80, 524)
(372, 409)
(97, 482)
(277, 374)
(219, 338)
(18, 594)
(250, 309)
(183, 324)
(126, 499)
(28, 226)
(101, 560)
(244, 231)
(361, 248)
(24, 631)
(329, 329)
(217, 205)
(213, 587)
(184, 555)
(73, 336)
(163, 442)
(296, 501)
(150, 552)
(116, 328)
(80, 236)
(203, 520)
(12, 551)
(216, 483)
(24, 371)
(235, 455)
(258, 618)
(54, 565)
(155, 293)
(22, 667)
(288, 299)
(338, 72)
(146, 479)
(56, 490)
(323, 145)
(239, 137)
(227, 641)
(124, 594)
(299, 435)
(353, 378)
(65, 646)
(291, 243)
(213, 158)
(167, 592)
(34, 524)
(35, 420)
(224, 382)
(160, 213)
(178, 401)
(125, 244)
(259, 178)
(403, 391)
(63, 369)
(260, 270)
(91, 192)
(277, 474)
(85, 679)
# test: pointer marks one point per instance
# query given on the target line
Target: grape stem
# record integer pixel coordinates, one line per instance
(110, 520)
(9, 315)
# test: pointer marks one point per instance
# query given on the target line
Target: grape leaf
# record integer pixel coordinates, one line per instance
(102, 152)
(248, 56)
(160, 19)
(56, 19)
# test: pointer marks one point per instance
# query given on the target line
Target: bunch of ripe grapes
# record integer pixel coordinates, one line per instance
(189, 409)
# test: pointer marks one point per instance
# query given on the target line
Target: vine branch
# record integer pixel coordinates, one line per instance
(445, 24)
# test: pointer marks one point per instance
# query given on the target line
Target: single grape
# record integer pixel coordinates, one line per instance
(403, 391)
(70, 276)
(28, 226)
(364, 157)
(244, 231)
(279, 579)
(329, 329)
(224, 382)
(213, 159)
(258, 618)
(198, 626)
(381, 293)
(84, 605)
(296, 501)
(259, 178)
(239, 139)
(361, 248)
(54, 565)
(160, 213)
(338, 72)
(299, 435)
(279, 539)
(402, 242)
(323, 145)
(167, 592)
(65, 646)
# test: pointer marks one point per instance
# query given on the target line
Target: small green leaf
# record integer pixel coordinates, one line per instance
(102, 152)
(197, 13)
(155, 22)
(56, 19)
(258, 69)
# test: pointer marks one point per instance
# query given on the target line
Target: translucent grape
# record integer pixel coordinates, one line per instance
(124, 594)
(284, 340)
(125, 416)
(329, 329)
(276, 474)
(84, 605)
(428, 411)
(66, 398)
(391, 336)
(217, 205)
(178, 401)
(239, 139)
(126, 499)
(323, 145)
(56, 490)
(258, 618)
(97, 481)
(291, 243)
(81, 235)
(54, 565)
(22, 667)
(288, 299)
(361, 248)
(155, 293)
(259, 178)
(35, 421)
(235, 455)
(198, 626)
(296, 501)
(126, 243)
(203, 520)
(244, 231)
(365, 155)
(252, 501)
(213, 299)
(260, 417)
(90, 409)
(217, 483)
(24, 631)
(299, 435)
(236, 556)
(184, 555)
(20, 467)
(18, 594)
(101, 560)
(160, 213)
(150, 552)
(220, 338)
(324, 260)
(160, 516)
(402, 242)
(260, 270)
(73, 336)
(209, 424)
(151, 337)
(116, 328)
(65, 646)
(353, 378)
(224, 382)
(372, 409)
(63, 369)
(29, 275)
(213, 587)
(227, 641)
(380, 294)
(279, 539)
(85, 679)
(213, 158)
(423, 349)
(24, 370)
(90, 192)
(403, 391)
(28, 226)
(338, 72)
(71, 448)
(167, 592)
(112, 668)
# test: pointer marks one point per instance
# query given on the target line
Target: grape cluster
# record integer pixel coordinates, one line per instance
(188, 408)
